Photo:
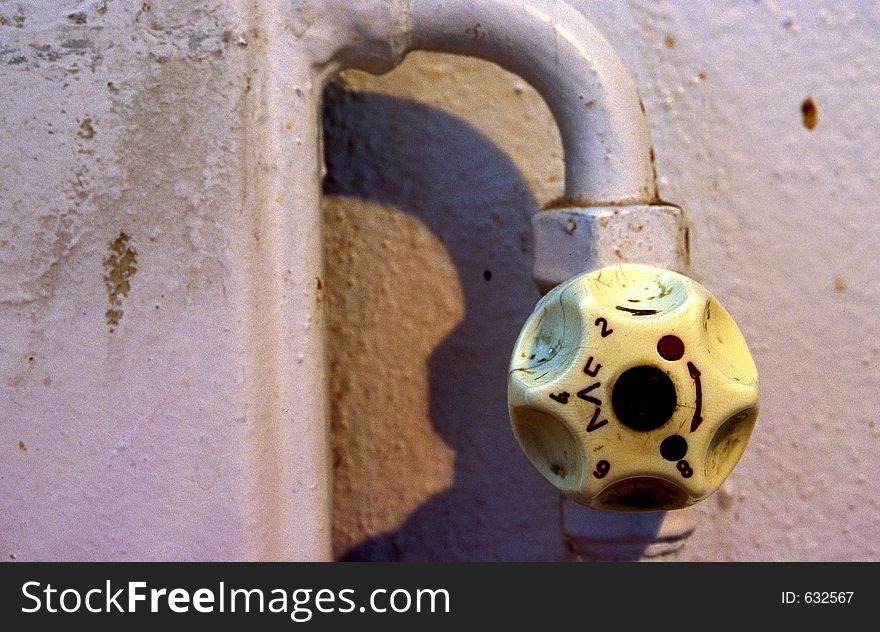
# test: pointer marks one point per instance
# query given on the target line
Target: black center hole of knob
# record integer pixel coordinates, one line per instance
(643, 398)
(674, 448)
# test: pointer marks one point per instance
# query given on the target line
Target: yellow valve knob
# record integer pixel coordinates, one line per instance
(631, 389)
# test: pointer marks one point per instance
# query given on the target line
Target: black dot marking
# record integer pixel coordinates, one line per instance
(643, 398)
(487, 274)
(673, 448)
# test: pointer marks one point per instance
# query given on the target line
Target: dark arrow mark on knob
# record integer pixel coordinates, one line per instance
(589, 398)
(637, 312)
(695, 376)
(594, 371)
(595, 423)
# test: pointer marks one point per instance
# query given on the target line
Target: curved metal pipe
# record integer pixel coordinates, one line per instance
(578, 73)
(601, 120)
(295, 49)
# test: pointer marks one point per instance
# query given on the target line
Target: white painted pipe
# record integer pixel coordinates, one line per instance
(297, 48)
(593, 98)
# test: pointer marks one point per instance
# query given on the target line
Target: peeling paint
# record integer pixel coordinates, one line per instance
(86, 130)
(120, 188)
(120, 266)
(17, 19)
(809, 113)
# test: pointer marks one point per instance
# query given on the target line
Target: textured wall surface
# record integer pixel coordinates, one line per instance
(121, 345)
(125, 297)
(433, 171)
(428, 248)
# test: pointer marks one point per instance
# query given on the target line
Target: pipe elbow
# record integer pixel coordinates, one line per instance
(605, 135)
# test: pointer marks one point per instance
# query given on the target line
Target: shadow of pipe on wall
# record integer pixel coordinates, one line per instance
(458, 184)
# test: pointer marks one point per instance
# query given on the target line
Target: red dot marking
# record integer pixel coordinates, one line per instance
(670, 348)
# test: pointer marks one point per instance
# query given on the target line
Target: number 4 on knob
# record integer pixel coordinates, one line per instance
(562, 398)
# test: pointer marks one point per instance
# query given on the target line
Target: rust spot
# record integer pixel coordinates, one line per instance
(725, 499)
(651, 154)
(318, 295)
(524, 243)
(572, 226)
(702, 75)
(590, 103)
(119, 267)
(18, 18)
(840, 284)
(22, 446)
(669, 41)
(288, 125)
(642, 106)
(810, 113)
(476, 32)
(636, 228)
(86, 130)
(566, 202)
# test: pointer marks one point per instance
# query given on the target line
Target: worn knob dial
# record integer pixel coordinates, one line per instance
(631, 389)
